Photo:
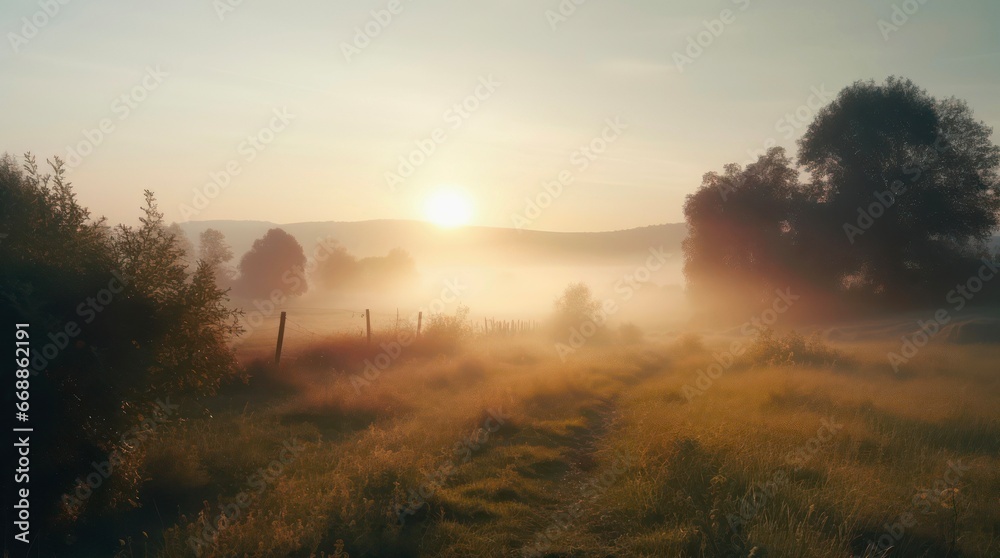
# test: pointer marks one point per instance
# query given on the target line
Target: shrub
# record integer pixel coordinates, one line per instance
(447, 332)
(792, 348)
(118, 326)
(574, 308)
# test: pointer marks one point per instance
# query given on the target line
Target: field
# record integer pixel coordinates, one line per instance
(787, 447)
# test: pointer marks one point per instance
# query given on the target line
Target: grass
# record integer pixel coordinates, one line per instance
(800, 450)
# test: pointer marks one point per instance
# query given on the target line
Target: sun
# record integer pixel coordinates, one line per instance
(448, 207)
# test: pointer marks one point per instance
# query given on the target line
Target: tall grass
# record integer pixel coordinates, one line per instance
(753, 467)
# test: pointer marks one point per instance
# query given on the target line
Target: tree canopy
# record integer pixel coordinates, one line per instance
(899, 200)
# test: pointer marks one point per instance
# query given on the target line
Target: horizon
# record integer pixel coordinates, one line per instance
(422, 222)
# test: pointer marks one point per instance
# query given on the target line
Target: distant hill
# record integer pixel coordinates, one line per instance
(430, 244)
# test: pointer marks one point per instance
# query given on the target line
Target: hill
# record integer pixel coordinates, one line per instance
(433, 245)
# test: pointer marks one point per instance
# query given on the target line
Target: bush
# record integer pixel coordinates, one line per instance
(448, 332)
(769, 349)
(574, 308)
(118, 326)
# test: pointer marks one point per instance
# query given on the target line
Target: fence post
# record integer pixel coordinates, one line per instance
(281, 339)
(368, 325)
(420, 322)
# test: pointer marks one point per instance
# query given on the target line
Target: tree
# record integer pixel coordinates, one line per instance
(338, 269)
(183, 244)
(902, 198)
(216, 253)
(275, 262)
(575, 307)
(740, 231)
(121, 330)
(904, 190)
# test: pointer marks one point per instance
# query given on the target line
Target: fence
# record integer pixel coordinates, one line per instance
(490, 327)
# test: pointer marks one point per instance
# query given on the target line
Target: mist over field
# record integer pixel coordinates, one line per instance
(569, 279)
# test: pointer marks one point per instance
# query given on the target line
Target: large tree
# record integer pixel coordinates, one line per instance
(275, 262)
(902, 200)
(739, 232)
(904, 189)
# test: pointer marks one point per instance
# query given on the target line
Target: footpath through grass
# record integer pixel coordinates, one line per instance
(513, 453)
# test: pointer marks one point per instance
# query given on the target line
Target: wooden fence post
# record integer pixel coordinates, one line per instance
(368, 325)
(420, 322)
(281, 339)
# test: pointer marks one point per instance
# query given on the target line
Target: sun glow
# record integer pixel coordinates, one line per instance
(448, 207)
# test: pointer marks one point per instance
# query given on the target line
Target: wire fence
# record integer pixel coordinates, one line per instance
(304, 325)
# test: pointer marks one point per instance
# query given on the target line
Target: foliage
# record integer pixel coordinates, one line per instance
(341, 270)
(573, 308)
(213, 250)
(275, 263)
(902, 198)
(119, 327)
(448, 331)
(792, 348)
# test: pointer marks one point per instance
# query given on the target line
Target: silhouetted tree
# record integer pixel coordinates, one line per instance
(275, 262)
(904, 191)
(216, 253)
(184, 244)
(739, 232)
(392, 270)
(902, 200)
(340, 270)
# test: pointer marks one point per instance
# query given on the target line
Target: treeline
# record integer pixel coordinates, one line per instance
(277, 261)
(890, 206)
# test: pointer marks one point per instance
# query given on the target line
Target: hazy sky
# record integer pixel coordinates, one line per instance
(349, 121)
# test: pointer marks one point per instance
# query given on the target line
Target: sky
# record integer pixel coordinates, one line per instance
(572, 115)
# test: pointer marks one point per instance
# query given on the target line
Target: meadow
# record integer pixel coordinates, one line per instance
(797, 447)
